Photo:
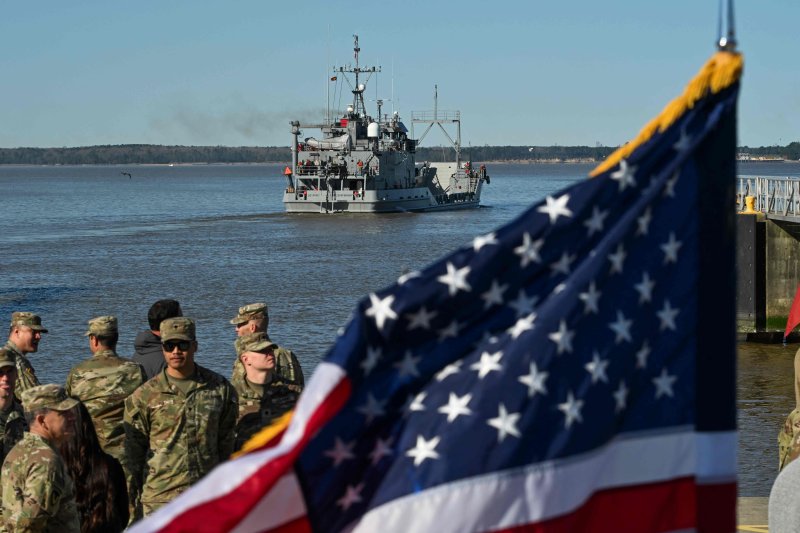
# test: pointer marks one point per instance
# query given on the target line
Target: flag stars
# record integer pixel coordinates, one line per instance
(524, 305)
(372, 409)
(449, 370)
(383, 448)
(456, 406)
(617, 259)
(571, 409)
(416, 404)
(642, 355)
(489, 362)
(667, 316)
(596, 222)
(556, 207)
(643, 222)
(669, 186)
(421, 319)
(405, 278)
(529, 250)
(534, 381)
(563, 338)
(590, 299)
(671, 248)
(449, 331)
(684, 142)
(483, 240)
(505, 423)
(341, 451)
(562, 265)
(621, 397)
(455, 279)
(424, 449)
(494, 296)
(351, 496)
(625, 175)
(381, 310)
(622, 327)
(373, 356)
(664, 384)
(645, 288)
(522, 325)
(408, 365)
(597, 368)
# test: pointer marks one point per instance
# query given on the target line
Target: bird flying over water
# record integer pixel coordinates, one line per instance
(126, 174)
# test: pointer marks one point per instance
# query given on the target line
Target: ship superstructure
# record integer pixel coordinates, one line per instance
(366, 164)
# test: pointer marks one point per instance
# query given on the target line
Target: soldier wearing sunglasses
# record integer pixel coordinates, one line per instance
(178, 425)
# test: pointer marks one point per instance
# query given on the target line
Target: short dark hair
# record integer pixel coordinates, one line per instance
(109, 341)
(162, 310)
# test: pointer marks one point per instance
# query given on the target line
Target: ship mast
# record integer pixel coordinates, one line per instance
(358, 89)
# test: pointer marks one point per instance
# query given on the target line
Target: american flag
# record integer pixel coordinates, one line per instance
(571, 371)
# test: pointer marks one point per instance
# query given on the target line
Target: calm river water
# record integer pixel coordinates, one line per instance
(78, 242)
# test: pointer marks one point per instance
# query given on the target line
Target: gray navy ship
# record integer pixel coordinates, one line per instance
(363, 164)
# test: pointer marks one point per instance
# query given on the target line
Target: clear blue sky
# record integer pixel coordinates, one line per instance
(235, 73)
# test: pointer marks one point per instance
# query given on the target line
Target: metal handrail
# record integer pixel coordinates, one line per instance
(778, 197)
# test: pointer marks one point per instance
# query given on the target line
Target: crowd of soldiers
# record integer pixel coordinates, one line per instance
(164, 418)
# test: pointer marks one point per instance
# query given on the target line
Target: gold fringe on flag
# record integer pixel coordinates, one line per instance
(721, 71)
(264, 436)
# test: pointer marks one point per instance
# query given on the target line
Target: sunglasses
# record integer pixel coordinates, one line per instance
(170, 345)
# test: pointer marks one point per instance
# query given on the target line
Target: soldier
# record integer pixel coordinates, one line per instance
(789, 435)
(103, 382)
(23, 338)
(178, 425)
(253, 318)
(37, 492)
(12, 417)
(148, 343)
(263, 394)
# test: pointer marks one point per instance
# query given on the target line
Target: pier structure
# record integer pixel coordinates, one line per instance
(768, 253)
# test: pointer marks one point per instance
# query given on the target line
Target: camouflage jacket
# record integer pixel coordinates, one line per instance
(257, 410)
(26, 377)
(789, 440)
(12, 428)
(172, 440)
(37, 492)
(286, 366)
(102, 383)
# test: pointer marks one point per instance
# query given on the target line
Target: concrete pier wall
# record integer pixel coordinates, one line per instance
(768, 261)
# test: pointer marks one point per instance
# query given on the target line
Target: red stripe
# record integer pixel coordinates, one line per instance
(225, 512)
(659, 507)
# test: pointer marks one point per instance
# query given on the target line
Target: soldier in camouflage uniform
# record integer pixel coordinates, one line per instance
(37, 492)
(251, 319)
(263, 394)
(103, 382)
(789, 435)
(12, 417)
(23, 338)
(178, 425)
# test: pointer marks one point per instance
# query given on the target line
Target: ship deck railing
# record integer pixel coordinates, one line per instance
(777, 198)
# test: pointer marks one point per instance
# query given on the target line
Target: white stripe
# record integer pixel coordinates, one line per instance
(282, 504)
(231, 474)
(543, 491)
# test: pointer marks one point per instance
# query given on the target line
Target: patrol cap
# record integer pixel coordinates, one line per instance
(255, 342)
(7, 358)
(249, 312)
(26, 318)
(49, 396)
(102, 325)
(180, 328)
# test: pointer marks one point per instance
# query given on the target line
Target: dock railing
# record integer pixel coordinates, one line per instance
(775, 197)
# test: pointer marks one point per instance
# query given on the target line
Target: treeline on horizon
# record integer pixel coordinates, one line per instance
(133, 154)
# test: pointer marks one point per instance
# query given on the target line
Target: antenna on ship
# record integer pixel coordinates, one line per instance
(727, 39)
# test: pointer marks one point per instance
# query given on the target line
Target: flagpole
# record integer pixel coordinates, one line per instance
(726, 42)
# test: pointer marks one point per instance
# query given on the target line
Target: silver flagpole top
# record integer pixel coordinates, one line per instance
(727, 38)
